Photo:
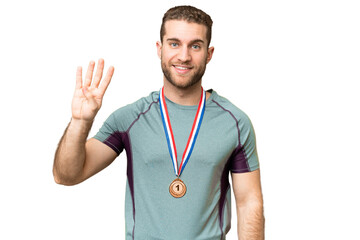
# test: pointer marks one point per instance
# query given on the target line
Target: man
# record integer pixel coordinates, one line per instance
(181, 142)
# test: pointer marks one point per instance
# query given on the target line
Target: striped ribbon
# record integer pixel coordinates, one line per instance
(170, 135)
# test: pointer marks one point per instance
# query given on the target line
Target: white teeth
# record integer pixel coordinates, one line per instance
(181, 68)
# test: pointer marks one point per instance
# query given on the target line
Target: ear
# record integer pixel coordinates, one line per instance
(158, 46)
(210, 53)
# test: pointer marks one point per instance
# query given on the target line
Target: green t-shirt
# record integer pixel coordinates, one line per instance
(225, 142)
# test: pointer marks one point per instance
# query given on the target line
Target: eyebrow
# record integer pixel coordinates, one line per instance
(192, 42)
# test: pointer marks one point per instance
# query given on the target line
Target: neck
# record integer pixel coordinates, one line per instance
(188, 97)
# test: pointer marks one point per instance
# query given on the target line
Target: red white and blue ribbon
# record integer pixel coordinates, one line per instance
(170, 135)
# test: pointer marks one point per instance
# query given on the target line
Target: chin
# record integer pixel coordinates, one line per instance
(183, 82)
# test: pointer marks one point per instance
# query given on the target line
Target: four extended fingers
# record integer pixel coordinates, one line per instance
(97, 78)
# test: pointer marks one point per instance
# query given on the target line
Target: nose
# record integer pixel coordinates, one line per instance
(184, 54)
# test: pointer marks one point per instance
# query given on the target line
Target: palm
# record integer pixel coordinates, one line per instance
(88, 95)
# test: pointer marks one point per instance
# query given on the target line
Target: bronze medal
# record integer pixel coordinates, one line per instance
(177, 188)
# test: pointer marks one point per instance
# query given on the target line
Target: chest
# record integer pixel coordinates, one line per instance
(215, 141)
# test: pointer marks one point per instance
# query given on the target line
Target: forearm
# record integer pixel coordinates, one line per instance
(70, 154)
(251, 221)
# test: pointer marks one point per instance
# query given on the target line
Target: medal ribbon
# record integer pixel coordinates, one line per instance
(170, 135)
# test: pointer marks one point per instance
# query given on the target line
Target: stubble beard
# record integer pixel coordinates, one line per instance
(194, 78)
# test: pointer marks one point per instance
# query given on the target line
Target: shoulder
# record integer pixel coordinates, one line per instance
(227, 107)
(126, 115)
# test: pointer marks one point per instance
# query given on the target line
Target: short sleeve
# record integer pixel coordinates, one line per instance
(245, 157)
(110, 135)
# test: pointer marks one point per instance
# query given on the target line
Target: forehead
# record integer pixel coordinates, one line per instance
(184, 31)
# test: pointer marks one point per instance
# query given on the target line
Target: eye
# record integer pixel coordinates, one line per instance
(195, 46)
(174, 44)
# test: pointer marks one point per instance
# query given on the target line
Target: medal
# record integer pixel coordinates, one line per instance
(177, 187)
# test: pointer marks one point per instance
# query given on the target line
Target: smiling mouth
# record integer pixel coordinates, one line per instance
(182, 67)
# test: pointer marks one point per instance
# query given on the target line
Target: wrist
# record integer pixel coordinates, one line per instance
(80, 125)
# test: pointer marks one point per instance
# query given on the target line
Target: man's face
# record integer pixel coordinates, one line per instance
(184, 53)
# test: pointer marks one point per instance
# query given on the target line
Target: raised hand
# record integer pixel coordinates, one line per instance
(88, 96)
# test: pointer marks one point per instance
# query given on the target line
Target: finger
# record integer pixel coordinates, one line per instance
(78, 78)
(99, 73)
(89, 74)
(105, 83)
